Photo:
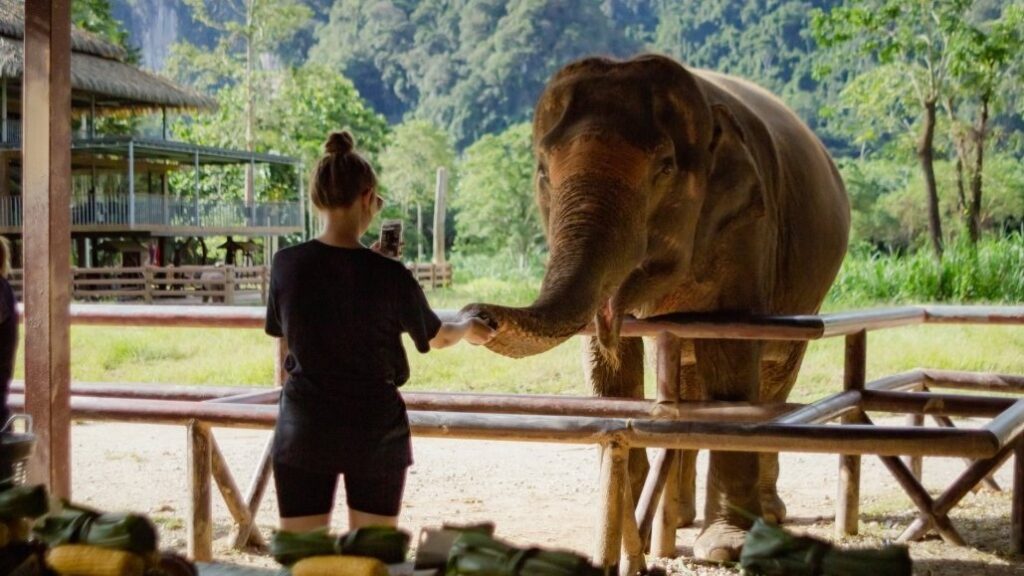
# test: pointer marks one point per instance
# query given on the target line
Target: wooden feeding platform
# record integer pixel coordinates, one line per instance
(837, 424)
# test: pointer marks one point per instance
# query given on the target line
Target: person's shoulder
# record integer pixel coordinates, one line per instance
(293, 252)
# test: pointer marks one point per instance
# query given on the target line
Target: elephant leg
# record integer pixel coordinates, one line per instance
(621, 378)
(779, 368)
(689, 389)
(729, 370)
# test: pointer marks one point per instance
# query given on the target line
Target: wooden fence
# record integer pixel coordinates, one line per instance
(206, 284)
(632, 522)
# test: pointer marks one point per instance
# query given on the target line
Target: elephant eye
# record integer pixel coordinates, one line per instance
(542, 173)
(667, 165)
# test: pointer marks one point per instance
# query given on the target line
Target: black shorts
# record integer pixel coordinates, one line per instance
(304, 493)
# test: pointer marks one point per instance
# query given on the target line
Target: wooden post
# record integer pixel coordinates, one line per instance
(915, 463)
(609, 531)
(229, 285)
(200, 526)
(632, 558)
(666, 519)
(46, 129)
(848, 497)
(1017, 514)
(147, 286)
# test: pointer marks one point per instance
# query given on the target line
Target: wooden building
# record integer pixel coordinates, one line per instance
(139, 188)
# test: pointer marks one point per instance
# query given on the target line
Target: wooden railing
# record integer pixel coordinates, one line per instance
(197, 284)
(156, 284)
(628, 520)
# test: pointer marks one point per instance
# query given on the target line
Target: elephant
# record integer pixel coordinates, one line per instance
(666, 189)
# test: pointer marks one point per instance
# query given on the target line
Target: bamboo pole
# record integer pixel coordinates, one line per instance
(922, 500)
(848, 497)
(1009, 425)
(973, 381)
(915, 463)
(609, 523)
(200, 526)
(920, 404)
(824, 410)
(647, 506)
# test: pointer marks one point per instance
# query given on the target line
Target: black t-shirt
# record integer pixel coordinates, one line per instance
(8, 344)
(343, 310)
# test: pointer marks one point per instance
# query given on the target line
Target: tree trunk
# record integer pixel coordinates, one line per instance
(957, 135)
(926, 155)
(419, 232)
(250, 177)
(974, 208)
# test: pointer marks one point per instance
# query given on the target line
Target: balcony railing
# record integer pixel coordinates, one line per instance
(152, 210)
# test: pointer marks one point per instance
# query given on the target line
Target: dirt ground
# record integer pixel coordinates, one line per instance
(540, 494)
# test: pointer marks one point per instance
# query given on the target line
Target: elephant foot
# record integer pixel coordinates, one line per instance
(773, 509)
(719, 542)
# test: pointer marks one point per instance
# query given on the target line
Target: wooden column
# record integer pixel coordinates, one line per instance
(848, 497)
(609, 531)
(666, 519)
(200, 470)
(46, 148)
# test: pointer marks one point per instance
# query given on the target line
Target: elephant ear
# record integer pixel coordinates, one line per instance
(735, 194)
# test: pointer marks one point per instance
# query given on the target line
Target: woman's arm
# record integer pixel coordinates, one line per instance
(474, 330)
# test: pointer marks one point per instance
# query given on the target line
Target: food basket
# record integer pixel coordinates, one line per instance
(15, 450)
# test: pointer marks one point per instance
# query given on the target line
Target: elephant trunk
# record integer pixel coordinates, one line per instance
(593, 249)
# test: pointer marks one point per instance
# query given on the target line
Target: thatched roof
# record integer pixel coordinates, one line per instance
(98, 68)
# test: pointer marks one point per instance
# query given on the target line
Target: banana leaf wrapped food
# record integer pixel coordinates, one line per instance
(118, 531)
(476, 554)
(771, 551)
(384, 543)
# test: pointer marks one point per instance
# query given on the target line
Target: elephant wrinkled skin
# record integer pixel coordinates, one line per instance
(665, 189)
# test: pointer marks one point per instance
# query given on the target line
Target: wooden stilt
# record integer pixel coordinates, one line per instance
(200, 527)
(232, 497)
(609, 533)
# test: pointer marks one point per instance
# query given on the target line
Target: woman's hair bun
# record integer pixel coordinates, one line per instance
(339, 143)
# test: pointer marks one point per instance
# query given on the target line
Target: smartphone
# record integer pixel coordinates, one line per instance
(391, 238)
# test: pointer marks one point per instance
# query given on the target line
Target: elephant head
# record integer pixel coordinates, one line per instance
(626, 162)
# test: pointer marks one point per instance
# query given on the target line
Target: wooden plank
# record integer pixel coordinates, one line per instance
(200, 524)
(46, 178)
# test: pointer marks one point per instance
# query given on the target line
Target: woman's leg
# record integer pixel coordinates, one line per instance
(375, 498)
(304, 498)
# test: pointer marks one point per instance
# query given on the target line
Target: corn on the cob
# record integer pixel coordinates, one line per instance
(80, 560)
(339, 566)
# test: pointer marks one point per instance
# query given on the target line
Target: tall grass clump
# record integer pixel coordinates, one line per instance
(992, 272)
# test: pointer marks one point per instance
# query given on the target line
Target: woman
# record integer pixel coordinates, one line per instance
(342, 308)
(8, 329)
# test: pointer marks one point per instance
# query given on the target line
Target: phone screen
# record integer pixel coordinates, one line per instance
(391, 238)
